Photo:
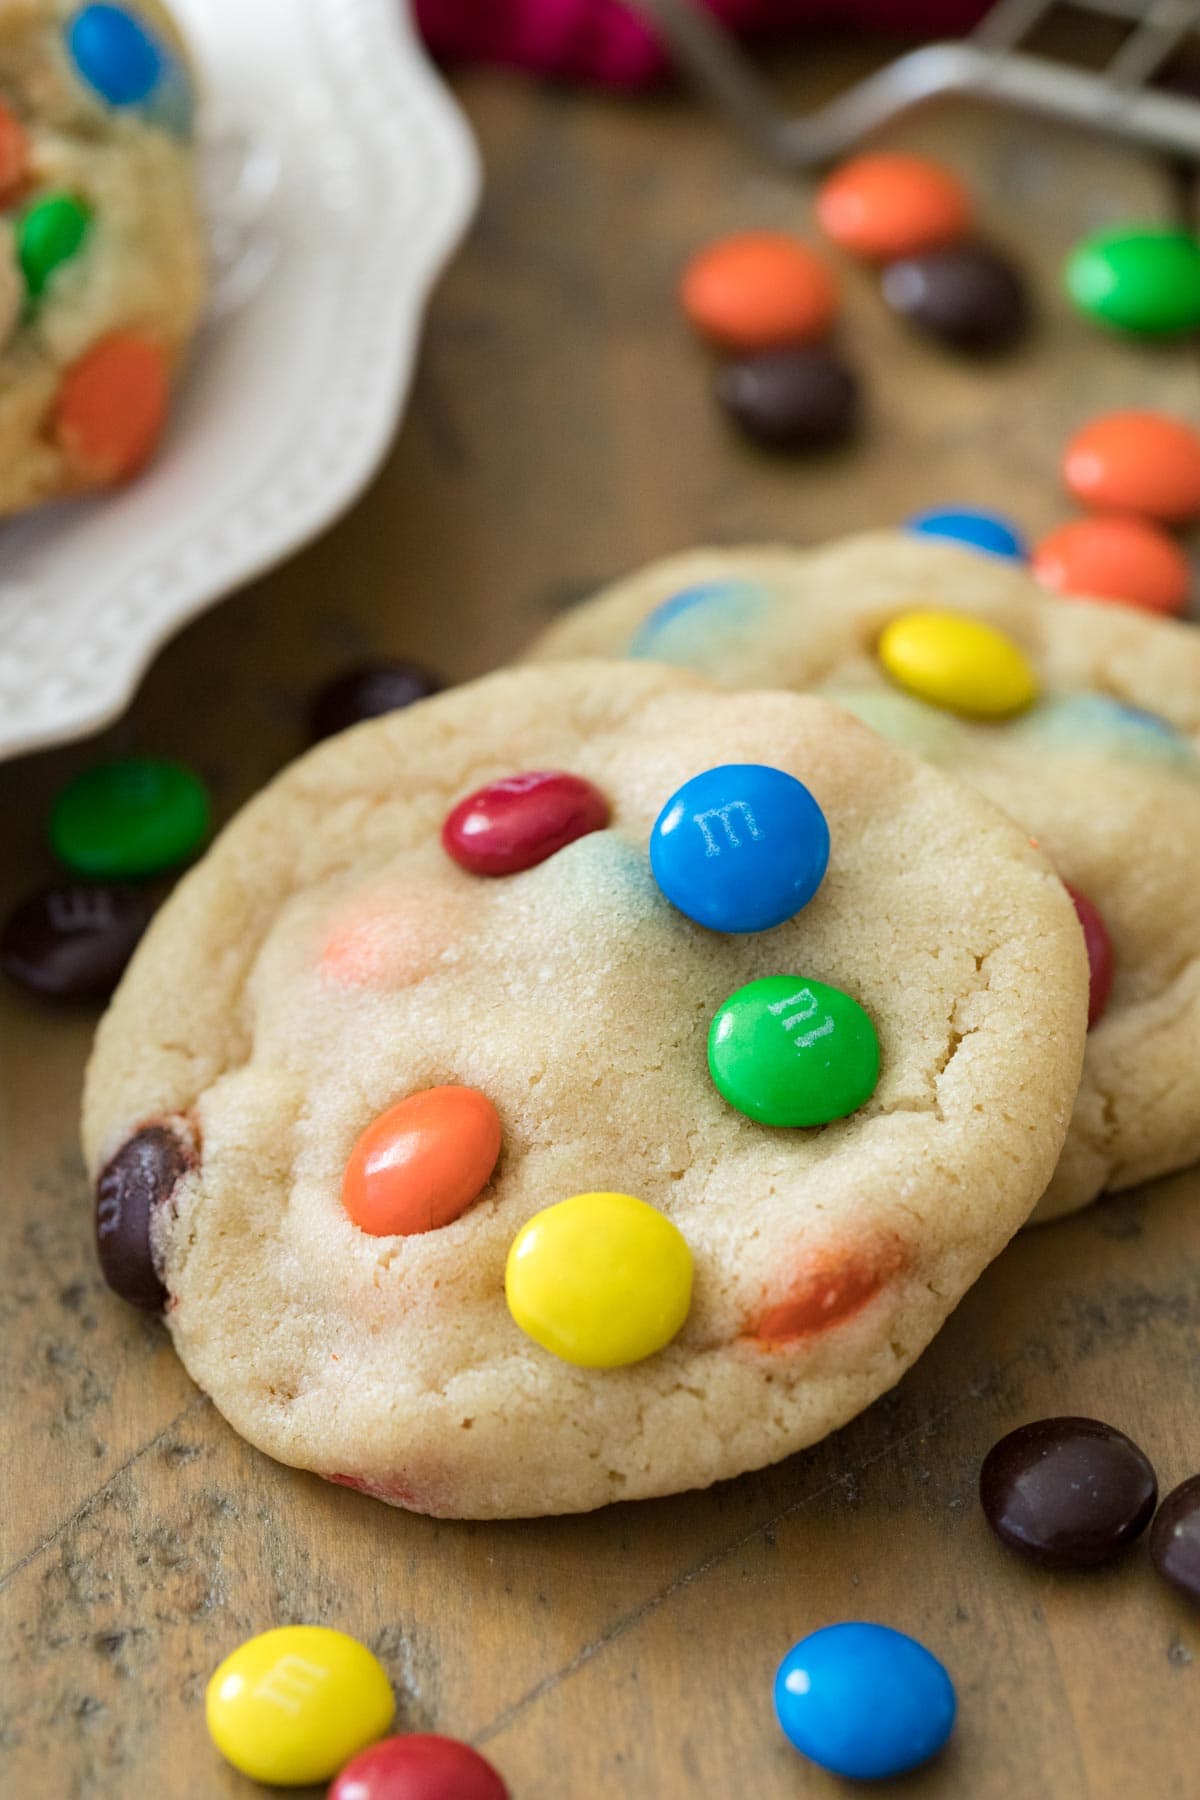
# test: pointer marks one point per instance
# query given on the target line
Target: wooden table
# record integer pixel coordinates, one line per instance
(562, 431)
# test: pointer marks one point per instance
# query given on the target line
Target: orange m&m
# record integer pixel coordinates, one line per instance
(112, 405)
(422, 1162)
(1137, 462)
(887, 206)
(758, 290)
(14, 156)
(1114, 558)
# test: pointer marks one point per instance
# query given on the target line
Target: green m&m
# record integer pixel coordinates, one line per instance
(128, 819)
(1144, 279)
(787, 1051)
(49, 234)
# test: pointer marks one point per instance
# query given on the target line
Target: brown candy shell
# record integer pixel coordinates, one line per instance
(366, 692)
(1068, 1492)
(141, 1177)
(791, 399)
(72, 941)
(1175, 1539)
(966, 295)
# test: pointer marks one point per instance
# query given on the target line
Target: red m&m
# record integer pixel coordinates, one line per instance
(419, 1766)
(422, 1162)
(517, 823)
(1099, 953)
(1114, 558)
(1136, 462)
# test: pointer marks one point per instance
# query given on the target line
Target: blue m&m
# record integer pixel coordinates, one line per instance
(740, 848)
(116, 55)
(983, 531)
(864, 1701)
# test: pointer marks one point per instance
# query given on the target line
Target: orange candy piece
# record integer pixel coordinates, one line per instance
(14, 156)
(1137, 462)
(1114, 558)
(758, 290)
(887, 206)
(112, 405)
(422, 1162)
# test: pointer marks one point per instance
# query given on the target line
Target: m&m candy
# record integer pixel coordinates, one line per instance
(1175, 1539)
(130, 819)
(1099, 947)
(1110, 557)
(886, 205)
(964, 295)
(1140, 279)
(290, 1706)
(798, 399)
(601, 1280)
(419, 1766)
(115, 54)
(423, 1162)
(1136, 462)
(984, 531)
(517, 823)
(1067, 1493)
(367, 692)
(864, 1701)
(14, 156)
(72, 941)
(740, 848)
(49, 234)
(758, 290)
(958, 662)
(787, 1051)
(112, 405)
(139, 1179)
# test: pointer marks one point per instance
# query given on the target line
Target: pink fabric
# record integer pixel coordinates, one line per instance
(607, 42)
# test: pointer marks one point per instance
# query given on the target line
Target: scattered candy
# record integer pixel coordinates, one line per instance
(797, 399)
(959, 663)
(1067, 1493)
(517, 823)
(291, 1706)
(422, 1163)
(367, 692)
(112, 406)
(49, 234)
(1145, 280)
(889, 205)
(141, 1177)
(985, 531)
(1099, 954)
(758, 290)
(864, 1701)
(419, 1767)
(14, 156)
(740, 848)
(965, 295)
(601, 1280)
(1136, 462)
(787, 1051)
(1175, 1539)
(72, 943)
(115, 54)
(1108, 557)
(129, 819)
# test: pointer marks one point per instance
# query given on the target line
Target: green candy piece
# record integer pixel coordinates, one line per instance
(132, 818)
(48, 235)
(787, 1051)
(1140, 279)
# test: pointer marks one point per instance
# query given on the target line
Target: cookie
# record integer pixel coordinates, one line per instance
(102, 256)
(440, 934)
(1100, 767)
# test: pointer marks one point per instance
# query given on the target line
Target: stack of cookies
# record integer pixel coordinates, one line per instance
(606, 1077)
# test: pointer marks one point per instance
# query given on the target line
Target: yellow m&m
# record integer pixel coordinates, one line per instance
(601, 1280)
(959, 663)
(291, 1706)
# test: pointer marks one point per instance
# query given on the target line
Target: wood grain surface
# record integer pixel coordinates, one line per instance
(562, 431)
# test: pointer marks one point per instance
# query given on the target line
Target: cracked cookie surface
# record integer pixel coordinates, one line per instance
(328, 958)
(1103, 771)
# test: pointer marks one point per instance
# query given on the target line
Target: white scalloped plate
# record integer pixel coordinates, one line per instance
(340, 175)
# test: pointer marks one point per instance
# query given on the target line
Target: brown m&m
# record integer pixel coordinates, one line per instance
(965, 295)
(797, 399)
(1067, 1493)
(72, 942)
(140, 1178)
(1175, 1539)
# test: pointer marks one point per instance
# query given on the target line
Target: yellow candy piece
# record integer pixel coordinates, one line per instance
(959, 663)
(292, 1706)
(600, 1279)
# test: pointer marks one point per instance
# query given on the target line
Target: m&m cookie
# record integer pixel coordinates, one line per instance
(102, 254)
(1081, 719)
(583, 1085)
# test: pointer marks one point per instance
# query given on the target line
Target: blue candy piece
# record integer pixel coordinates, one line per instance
(1095, 724)
(987, 532)
(115, 54)
(740, 848)
(864, 1701)
(696, 628)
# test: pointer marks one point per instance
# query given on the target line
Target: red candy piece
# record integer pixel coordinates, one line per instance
(1113, 558)
(112, 406)
(418, 1767)
(1099, 954)
(516, 823)
(887, 205)
(14, 156)
(832, 1285)
(1137, 462)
